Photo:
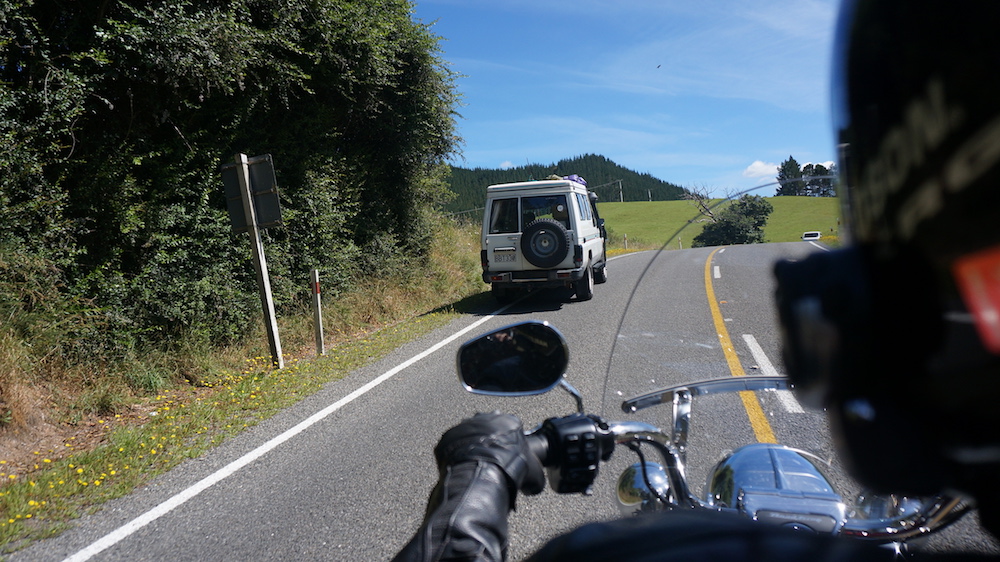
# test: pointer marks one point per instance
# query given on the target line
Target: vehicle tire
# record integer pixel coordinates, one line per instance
(585, 286)
(601, 274)
(545, 243)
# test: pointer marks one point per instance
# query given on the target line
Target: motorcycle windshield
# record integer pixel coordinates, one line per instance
(681, 346)
(697, 352)
(698, 314)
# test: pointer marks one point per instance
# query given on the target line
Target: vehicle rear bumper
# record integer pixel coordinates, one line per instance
(534, 278)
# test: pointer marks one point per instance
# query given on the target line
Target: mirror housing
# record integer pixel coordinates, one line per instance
(518, 360)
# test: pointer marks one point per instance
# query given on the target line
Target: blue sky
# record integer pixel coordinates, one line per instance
(710, 95)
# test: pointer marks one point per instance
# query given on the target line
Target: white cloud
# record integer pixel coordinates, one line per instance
(760, 170)
(506, 165)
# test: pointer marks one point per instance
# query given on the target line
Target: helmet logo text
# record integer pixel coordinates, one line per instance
(928, 121)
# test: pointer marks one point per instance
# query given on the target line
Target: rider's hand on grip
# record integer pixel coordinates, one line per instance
(496, 438)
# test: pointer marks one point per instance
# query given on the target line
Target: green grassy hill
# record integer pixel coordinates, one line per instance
(652, 223)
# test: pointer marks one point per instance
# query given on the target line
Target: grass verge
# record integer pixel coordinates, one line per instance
(120, 441)
(175, 425)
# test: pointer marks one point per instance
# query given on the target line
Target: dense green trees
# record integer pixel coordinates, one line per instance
(790, 178)
(115, 115)
(601, 175)
(818, 180)
(810, 180)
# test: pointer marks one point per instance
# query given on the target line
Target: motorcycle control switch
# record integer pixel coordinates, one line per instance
(577, 444)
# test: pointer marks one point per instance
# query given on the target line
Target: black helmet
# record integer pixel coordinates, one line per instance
(898, 334)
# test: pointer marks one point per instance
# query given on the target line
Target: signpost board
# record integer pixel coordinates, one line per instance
(264, 188)
(252, 196)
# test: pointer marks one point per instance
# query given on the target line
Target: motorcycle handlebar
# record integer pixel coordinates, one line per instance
(538, 444)
(573, 446)
(540, 441)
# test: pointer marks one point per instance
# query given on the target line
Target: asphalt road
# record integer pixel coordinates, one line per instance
(344, 475)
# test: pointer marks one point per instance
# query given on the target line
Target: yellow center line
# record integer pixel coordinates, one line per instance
(761, 427)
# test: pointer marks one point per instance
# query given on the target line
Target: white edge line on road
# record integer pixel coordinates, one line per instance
(824, 248)
(162, 509)
(786, 398)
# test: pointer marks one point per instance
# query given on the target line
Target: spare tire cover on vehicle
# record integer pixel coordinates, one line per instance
(545, 243)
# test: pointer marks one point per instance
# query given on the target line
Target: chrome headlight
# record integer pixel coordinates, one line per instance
(635, 496)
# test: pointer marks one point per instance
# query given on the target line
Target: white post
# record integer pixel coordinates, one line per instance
(318, 314)
(260, 264)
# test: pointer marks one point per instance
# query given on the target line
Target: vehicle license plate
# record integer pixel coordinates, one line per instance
(504, 256)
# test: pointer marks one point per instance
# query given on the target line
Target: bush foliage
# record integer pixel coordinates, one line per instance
(740, 222)
(114, 120)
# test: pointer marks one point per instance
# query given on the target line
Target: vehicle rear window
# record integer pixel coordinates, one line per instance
(545, 207)
(503, 216)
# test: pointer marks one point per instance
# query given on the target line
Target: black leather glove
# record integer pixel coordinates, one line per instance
(496, 438)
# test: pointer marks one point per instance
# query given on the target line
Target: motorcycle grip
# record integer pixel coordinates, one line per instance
(538, 444)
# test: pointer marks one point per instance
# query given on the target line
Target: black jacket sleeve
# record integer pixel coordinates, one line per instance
(466, 517)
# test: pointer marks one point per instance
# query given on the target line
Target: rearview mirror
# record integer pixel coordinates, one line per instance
(517, 360)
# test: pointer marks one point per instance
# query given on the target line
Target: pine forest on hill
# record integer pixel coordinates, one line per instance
(602, 177)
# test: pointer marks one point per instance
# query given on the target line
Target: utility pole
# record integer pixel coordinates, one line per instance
(621, 197)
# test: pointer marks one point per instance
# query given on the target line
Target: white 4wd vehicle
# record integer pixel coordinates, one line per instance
(543, 234)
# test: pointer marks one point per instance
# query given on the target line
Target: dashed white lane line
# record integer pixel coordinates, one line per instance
(786, 398)
(717, 274)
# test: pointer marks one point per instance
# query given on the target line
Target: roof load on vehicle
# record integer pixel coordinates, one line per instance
(540, 184)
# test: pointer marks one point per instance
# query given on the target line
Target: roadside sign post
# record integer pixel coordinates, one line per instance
(318, 314)
(243, 212)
